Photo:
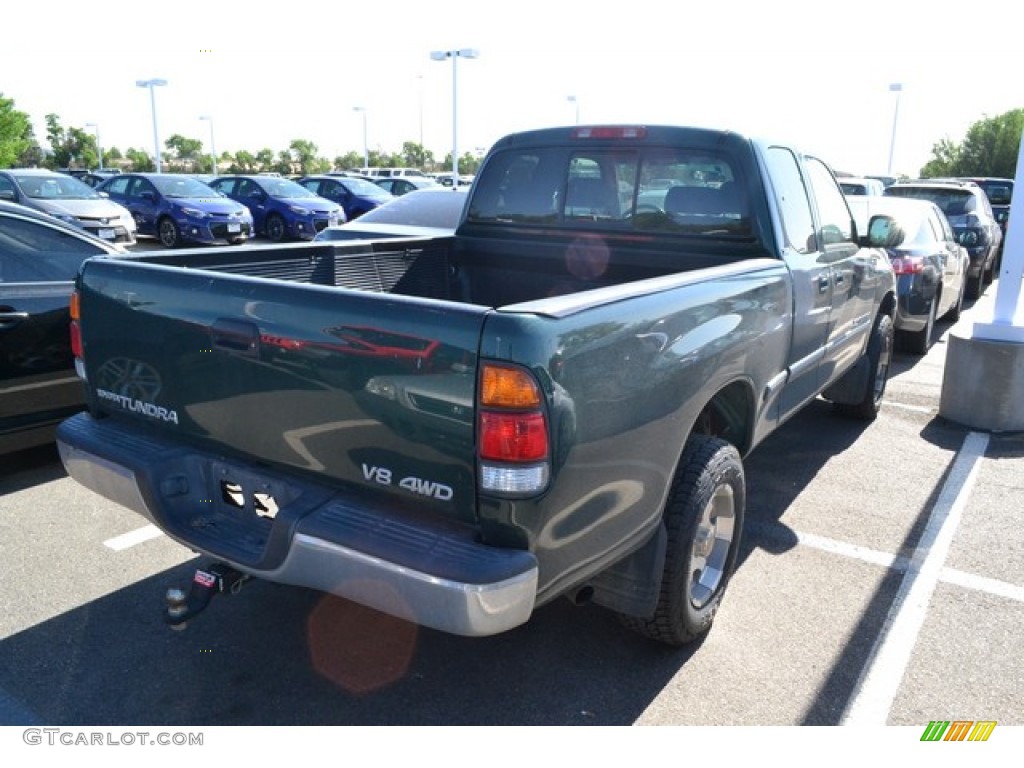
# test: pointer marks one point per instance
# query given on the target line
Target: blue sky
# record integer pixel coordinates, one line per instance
(816, 74)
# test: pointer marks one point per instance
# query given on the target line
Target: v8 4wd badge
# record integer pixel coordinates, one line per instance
(417, 485)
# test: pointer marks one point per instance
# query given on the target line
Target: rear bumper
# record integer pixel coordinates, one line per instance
(428, 571)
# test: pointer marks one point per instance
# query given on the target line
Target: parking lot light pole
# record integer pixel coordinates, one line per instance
(366, 147)
(575, 102)
(898, 88)
(455, 55)
(151, 84)
(213, 145)
(99, 147)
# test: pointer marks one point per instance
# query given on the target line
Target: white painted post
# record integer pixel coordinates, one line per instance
(1005, 324)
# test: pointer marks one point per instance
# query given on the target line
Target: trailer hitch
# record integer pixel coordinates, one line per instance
(217, 579)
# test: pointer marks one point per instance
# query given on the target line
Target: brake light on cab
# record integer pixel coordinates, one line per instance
(512, 439)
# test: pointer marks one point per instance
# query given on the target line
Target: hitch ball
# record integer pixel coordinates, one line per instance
(177, 607)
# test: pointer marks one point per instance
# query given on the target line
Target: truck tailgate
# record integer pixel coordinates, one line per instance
(372, 390)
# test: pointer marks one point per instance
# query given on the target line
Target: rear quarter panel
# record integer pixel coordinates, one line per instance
(627, 371)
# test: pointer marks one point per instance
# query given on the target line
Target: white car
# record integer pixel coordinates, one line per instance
(853, 185)
(68, 199)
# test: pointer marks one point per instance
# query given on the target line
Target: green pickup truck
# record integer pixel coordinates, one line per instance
(554, 401)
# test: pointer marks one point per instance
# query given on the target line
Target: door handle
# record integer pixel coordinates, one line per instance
(12, 318)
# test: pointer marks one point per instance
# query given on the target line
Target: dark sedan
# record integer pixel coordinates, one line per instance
(39, 258)
(930, 265)
(356, 196)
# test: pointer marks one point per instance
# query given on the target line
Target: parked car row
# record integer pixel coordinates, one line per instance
(930, 265)
(970, 213)
(947, 247)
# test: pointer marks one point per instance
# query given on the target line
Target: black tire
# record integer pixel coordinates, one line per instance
(275, 228)
(168, 233)
(919, 342)
(975, 286)
(879, 355)
(704, 522)
(957, 309)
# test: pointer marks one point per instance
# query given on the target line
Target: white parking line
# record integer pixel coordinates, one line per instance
(983, 584)
(898, 563)
(882, 676)
(130, 539)
(906, 407)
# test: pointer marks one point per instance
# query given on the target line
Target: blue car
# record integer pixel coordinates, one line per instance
(281, 209)
(356, 196)
(178, 209)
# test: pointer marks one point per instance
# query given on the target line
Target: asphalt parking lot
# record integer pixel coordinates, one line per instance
(881, 582)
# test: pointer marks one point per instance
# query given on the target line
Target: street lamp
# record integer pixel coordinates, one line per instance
(151, 84)
(213, 146)
(465, 53)
(898, 88)
(573, 100)
(366, 148)
(99, 147)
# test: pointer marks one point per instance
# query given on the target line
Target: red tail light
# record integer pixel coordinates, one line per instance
(76, 339)
(513, 437)
(513, 432)
(908, 265)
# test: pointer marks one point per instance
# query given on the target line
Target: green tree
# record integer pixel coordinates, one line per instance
(414, 155)
(71, 147)
(305, 154)
(265, 160)
(187, 153)
(348, 160)
(284, 163)
(245, 162)
(16, 137)
(140, 160)
(113, 154)
(990, 149)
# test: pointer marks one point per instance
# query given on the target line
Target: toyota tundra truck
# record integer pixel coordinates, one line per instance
(553, 401)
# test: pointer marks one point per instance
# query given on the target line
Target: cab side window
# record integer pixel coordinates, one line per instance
(791, 196)
(836, 222)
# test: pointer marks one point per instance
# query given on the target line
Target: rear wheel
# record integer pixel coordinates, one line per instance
(919, 342)
(704, 522)
(879, 356)
(168, 232)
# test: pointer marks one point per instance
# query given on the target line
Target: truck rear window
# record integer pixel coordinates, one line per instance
(650, 189)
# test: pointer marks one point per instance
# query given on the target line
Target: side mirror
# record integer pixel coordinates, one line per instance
(148, 195)
(7, 194)
(884, 232)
